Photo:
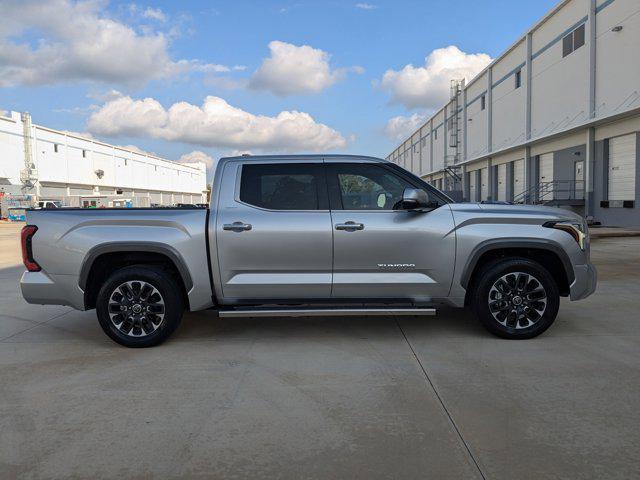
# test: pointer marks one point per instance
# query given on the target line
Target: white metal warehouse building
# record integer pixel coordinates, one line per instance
(53, 165)
(555, 119)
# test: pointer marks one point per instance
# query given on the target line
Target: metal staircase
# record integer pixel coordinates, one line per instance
(554, 193)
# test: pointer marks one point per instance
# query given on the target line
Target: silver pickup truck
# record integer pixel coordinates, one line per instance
(304, 236)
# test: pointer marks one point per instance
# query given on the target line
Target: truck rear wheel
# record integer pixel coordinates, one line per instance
(139, 306)
(515, 298)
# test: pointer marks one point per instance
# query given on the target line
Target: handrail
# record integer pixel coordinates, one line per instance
(554, 190)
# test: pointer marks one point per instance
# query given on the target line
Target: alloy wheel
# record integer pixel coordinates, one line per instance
(136, 308)
(517, 300)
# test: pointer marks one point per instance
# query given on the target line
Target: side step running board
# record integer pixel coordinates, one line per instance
(324, 312)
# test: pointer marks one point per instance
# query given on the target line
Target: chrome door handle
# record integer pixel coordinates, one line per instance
(349, 226)
(237, 226)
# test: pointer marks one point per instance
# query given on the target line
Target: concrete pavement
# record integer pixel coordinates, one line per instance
(327, 398)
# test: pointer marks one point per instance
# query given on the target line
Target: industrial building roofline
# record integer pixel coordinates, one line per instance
(196, 166)
(475, 78)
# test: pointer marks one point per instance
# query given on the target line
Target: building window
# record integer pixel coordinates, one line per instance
(424, 142)
(483, 102)
(125, 162)
(435, 134)
(573, 41)
(55, 147)
(84, 154)
(518, 78)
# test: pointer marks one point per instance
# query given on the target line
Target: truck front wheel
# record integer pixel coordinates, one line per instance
(139, 306)
(515, 298)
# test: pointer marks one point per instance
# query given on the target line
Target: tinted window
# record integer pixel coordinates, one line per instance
(567, 45)
(573, 41)
(578, 37)
(368, 187)
(280, 187)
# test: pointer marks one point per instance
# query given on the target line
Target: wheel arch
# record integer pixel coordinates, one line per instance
(102, 260)
(546, 252)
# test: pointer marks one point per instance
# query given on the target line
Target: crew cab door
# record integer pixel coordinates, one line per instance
(273, 231)
(380, 251)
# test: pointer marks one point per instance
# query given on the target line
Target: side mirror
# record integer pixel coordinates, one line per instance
(415, 199)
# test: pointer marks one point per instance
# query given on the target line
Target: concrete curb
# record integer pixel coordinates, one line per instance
(613, 233)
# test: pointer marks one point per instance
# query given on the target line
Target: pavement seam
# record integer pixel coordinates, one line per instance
(444, 407)
(34, 326)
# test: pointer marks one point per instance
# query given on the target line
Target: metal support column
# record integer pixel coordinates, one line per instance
(465, 123)
(527, 86)
(489, 107)
(589, 169)
(528, 177)
(590, 163)
(592, 58)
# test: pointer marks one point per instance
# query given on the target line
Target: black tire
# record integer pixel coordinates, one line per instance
(148, 328)
(516, 325)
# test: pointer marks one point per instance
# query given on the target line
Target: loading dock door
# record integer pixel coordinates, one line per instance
(518, 178)
(579, 178)
(545, 176)
(502, 182)
(484, 184)
(473, 188)
(622, 168)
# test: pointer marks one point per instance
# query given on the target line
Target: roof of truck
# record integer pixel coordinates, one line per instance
(304, 156)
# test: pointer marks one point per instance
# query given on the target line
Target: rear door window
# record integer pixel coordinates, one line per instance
(286, 186)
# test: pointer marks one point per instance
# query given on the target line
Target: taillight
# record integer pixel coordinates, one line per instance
(27, 251)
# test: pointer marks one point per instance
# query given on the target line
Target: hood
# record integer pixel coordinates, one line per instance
(516, 211)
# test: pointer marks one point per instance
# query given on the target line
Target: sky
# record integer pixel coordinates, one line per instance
(194, 81)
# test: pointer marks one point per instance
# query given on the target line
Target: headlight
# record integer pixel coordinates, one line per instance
(578, 230)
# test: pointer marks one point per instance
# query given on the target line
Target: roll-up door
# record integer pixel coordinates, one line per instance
(622, 168)
(47, 192)
(502, 182)
(545, 176)
(518, 178)
(484, 184)
(473, 188)
(80, 191)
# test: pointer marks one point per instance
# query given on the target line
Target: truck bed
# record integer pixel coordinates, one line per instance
(68, 241)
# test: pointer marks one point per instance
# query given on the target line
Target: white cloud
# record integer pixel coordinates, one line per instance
(197, 156)
(107, 96)
(154, 14)
(399, 128)
(293, 70)
(78, 41)
(428, 86)
(214, 124)
(366, 6)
